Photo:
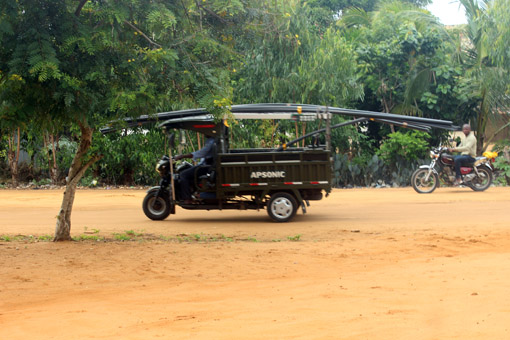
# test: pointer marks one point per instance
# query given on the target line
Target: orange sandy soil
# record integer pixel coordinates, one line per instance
(370, 264)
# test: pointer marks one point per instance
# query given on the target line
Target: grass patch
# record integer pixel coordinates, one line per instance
(294, 238)
(132, 235)
(26, 238)
(84, 237)
(122, 237)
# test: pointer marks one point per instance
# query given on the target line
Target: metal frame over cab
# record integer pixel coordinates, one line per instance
(282, 179)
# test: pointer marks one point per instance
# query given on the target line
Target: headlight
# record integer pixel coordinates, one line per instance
(157, 167)
(433, 155)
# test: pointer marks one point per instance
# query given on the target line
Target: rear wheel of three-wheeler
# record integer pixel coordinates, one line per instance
(282, 207)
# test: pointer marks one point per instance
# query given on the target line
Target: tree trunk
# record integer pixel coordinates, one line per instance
(53, 162)
(481, 123)
(50, 140)
(13, 155)
(76, 172)
(480, 134)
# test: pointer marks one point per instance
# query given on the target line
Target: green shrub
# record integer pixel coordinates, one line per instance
(502, 162)
(409, 146)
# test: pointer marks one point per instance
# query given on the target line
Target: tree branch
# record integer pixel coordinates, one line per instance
(212, 13)
(488, 142)
(80, 6)
(142, 34)
(81, 172)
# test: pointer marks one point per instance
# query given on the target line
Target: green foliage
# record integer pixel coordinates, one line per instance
(486, 78)
(502, 166)
(297, 64)
(130, 158)
(395, 45)
(393, 162)
(359, 171)
(409, 146)
(26, 238)
(295, 238)
(68, 63)
(502, 162)
(84, 237)
(335, 6)
(401, 153)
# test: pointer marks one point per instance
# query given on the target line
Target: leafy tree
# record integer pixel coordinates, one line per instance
(395, 47)
(486, 79)
(367, 5)
(12, 119)
(291, 61)
(85, 63)
(409, 64)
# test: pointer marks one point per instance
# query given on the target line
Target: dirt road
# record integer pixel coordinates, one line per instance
(362, 264)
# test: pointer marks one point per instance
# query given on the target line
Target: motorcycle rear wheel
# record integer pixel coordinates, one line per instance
(420, 185)
(481, 182)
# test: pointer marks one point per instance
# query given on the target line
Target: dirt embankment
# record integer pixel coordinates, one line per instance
(362, 264)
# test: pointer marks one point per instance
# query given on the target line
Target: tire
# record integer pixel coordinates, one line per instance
(282, 207)
(481, 183)
(419, 184)
(156, 208)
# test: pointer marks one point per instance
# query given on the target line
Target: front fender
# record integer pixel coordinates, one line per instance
(156, 188)
(427, 166)
(160, 191)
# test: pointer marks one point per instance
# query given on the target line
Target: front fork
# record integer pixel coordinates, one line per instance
(431, 170)
(162, 191)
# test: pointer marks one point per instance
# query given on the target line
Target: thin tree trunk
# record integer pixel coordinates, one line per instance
(76, 172)
(481, 123)
(13, 155)
(54, 165)
(50, 140)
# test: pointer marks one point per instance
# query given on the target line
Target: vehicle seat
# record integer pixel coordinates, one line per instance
(479, 160)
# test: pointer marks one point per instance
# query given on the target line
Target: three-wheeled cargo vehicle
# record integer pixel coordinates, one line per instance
(281, 180)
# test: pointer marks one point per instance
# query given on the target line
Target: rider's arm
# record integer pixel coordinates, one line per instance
(204, 152)
(179, 157)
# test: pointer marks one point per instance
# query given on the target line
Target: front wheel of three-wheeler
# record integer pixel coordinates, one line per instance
(155, 207)
(282, 207)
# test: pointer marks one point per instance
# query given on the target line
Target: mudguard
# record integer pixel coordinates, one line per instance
(426, 166)
(157, 189)
(153, 188)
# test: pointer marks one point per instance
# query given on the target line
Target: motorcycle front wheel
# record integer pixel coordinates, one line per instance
(481, 182)
(156, 208)
(422, 185)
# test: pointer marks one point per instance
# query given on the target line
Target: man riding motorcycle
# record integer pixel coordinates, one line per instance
(467, 148)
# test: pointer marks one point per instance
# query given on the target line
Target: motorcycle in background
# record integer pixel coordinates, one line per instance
(478, 175)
